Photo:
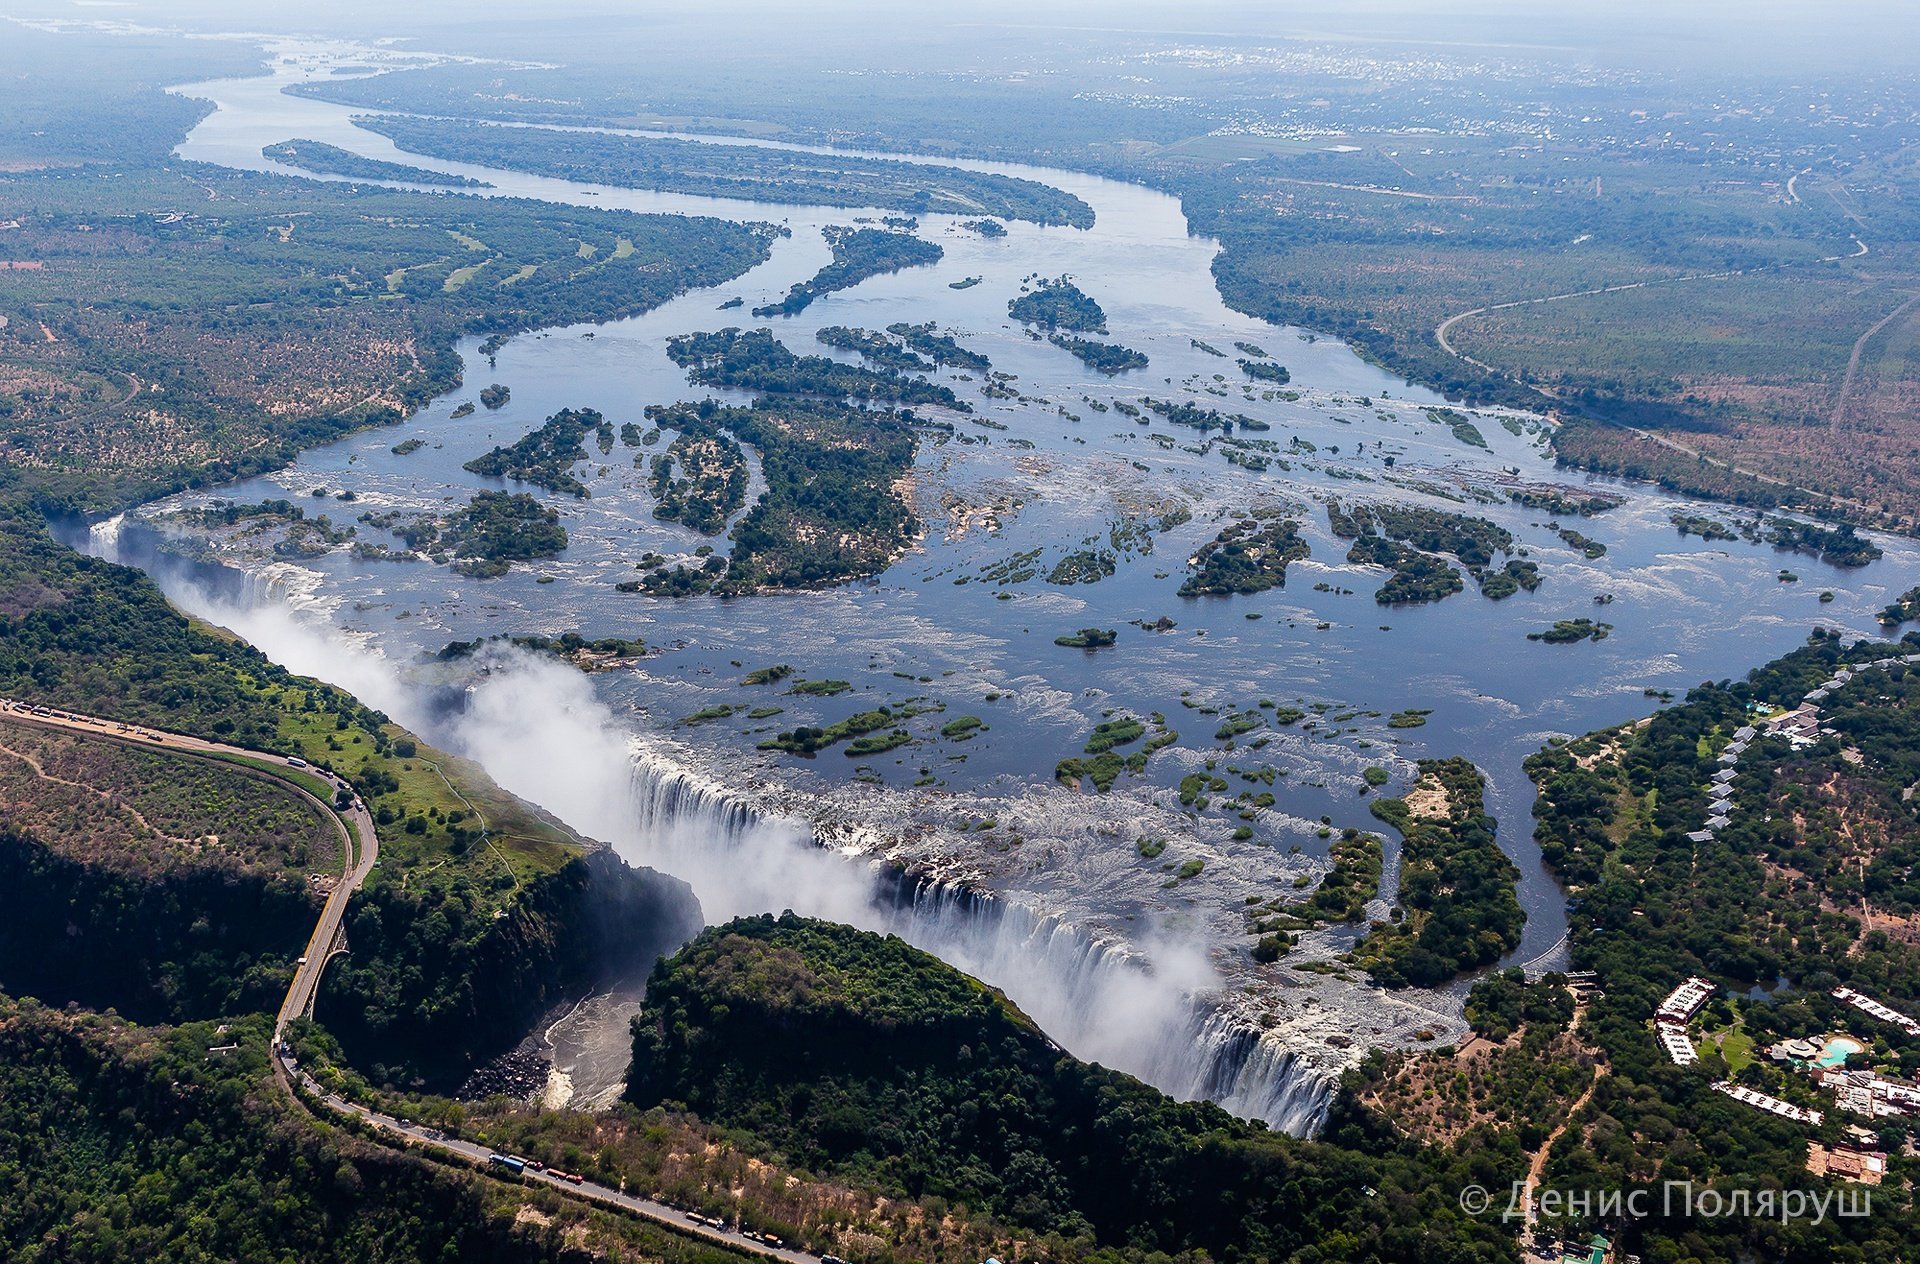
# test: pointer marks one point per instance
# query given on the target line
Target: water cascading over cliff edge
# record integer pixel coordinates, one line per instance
(543, 734)
(1099, 1000)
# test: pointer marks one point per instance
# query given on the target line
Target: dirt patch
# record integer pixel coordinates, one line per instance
(1428, 801)
(1439, 1099)
(26, 595)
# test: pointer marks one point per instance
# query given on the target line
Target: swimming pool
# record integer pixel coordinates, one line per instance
(1837, 1050)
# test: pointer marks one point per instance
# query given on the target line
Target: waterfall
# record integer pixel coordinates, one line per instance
(103, 538)
(1153, 1012)
(1152, 1017)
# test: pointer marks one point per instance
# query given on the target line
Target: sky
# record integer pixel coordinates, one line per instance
(1775, 34)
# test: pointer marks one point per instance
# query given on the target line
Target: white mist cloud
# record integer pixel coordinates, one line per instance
(540, 730)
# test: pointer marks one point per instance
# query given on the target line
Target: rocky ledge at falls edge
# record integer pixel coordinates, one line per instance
(1266, 1042)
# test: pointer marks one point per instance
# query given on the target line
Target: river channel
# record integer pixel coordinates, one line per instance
(1095, 939)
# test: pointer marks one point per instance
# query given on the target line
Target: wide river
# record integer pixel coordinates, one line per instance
(1056, 470)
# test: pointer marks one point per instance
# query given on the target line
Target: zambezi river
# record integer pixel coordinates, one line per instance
(967, 844)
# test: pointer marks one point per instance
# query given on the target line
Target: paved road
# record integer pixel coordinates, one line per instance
(418, 1136)
(360, 845)
(362, 848)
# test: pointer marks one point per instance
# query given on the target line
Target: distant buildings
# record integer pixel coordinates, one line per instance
(1594, 1251)
(1684, 1001)
(1800, 726)
(1772, 1105)
(1671, 1019)
(1863, 1167)
(1679, 1046)
(1870, 1093)
(1867, 1005)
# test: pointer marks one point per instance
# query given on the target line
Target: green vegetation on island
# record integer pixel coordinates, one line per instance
(940, 348)
(858, 253)
(324, 159)
(1100, 761)
(1109, 358)
(1904, 609)
(1566, 501)
(1570, 631)
(1460, 424)
(1417, 577)
(1588, 546)
(757, 361)
(1352, 881)
(1457, 908)
(701, 479)
(1082, 566)
(1837, 545)
(868, 731)
(545, 457)
(1059, 304)
(482, 540)
(1699, 524)
(875, 347)
(598, 654)
(1250, 555)
(1515, 576)
(833, 509)
(753, 172)
(1404, 538)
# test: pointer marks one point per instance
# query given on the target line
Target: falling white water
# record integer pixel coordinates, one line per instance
(1149, 1008)
(1149, 1015)
(103, 538)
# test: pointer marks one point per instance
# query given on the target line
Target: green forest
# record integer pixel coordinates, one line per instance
(1769, 909)
(1457, 909)
(832, 510)
(318, 156)
(848, 1052)
(757, 361)
(755, 173)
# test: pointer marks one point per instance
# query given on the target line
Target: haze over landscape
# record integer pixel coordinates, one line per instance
(869, 633)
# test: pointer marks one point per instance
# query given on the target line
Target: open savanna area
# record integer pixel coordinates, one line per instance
(1694, 323)
(185, 326)
(1524, 1082)
(83, 635)
(113, 803)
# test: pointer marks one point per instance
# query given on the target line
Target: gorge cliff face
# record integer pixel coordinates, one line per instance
(182, 942)
(431, 985)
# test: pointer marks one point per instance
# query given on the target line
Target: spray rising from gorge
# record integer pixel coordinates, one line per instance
(1151, 1008)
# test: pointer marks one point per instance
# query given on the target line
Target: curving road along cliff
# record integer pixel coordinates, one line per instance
(361, 849)
(360, 846)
